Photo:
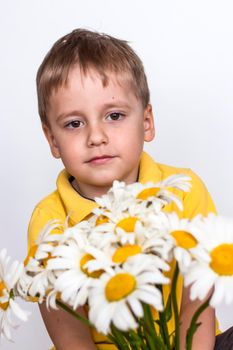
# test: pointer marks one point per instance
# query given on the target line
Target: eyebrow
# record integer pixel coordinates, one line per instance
(68, 114)
(117, 104)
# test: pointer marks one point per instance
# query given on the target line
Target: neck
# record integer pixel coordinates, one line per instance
(90, 192)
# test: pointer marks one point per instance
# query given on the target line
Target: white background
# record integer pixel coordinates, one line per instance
(187, 50)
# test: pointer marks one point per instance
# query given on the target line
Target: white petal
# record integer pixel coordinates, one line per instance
(18, 311)
(136, 306)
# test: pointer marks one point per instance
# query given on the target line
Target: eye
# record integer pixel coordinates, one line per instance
(74, 124)
(115, 116)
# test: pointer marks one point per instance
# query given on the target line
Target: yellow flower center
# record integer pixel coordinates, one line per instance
(121, 254)
(127, 224)
(148, 192)
(184, 239)
(3, 306)
(31, 253)
(32, 299)
(45, 261)
(222, 259)
(102, 219)
(83, 261)
(119, 286)
(2, 287)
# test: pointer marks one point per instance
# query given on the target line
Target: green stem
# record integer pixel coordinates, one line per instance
(164, 329)
(148, 323)
(163, 324)
(194, 325)
(141, 336)
(175, 309)
(134, 340)
(114, 340)
(120, 339)
(154, 341)
(148, 318)
(74, 313)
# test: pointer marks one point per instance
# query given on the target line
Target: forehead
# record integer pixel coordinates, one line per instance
(105, 78)
(92, 89)
(92, 82)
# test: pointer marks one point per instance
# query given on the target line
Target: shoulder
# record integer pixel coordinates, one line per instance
(51, 203)
(167, 170)
(49, 208)
(197, 200)
(151, 170)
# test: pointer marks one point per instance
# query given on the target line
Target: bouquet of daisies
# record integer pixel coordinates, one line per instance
(116, 262)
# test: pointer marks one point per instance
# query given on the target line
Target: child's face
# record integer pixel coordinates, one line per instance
(98, 131)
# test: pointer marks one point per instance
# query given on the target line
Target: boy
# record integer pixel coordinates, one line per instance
(95, 110)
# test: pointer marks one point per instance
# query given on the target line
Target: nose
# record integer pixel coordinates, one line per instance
(96, 136)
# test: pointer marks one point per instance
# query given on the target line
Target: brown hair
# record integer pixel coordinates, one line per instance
(88, 49)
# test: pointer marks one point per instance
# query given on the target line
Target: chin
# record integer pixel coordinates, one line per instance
(106, 184)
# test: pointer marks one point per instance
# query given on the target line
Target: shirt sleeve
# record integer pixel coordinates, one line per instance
(38, 220)
(41, 216)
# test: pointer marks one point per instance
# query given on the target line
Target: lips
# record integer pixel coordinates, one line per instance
(100, 159)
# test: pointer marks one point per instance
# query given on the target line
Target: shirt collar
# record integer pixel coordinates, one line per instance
(149, 170)
(76, 206)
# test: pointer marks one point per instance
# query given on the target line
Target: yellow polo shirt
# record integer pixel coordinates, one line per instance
(66, 201)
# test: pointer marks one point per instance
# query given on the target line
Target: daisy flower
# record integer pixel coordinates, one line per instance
(117, 198)
(124, 207)
(120, 227)
(153, 240)
(117, 297)
(69, 265)
(162, 190)
(44, 243)
(9, 275)
(133, 232)
(78, 232)
(36, 280)
(213, 268)
(184, 239)
(126, 227)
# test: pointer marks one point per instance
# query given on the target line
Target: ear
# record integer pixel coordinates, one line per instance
(51, 140)
(149, 129)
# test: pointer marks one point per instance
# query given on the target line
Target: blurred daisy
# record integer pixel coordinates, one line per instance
(117, 297)
(213, 268)
(9, 275)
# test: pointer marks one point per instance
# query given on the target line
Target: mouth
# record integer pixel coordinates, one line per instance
(100, 160)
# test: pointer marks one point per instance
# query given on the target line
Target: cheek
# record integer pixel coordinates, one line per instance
(134, 135)
(68, 148)
(131, 143)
